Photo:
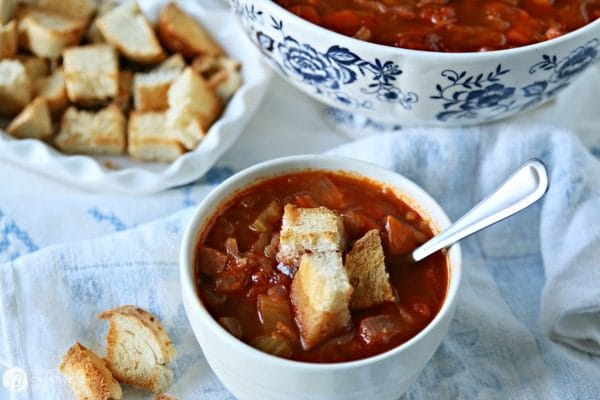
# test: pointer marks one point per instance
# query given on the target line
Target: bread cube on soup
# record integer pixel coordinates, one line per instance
(88, 375)
(309, 230)
(89, 132)
(91, 74)
(321, 296)
(365, 266)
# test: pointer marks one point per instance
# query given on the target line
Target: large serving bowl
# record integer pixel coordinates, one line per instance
(409, 86)
(251, 374)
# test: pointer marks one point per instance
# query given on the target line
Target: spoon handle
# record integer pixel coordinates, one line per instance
(522, 189)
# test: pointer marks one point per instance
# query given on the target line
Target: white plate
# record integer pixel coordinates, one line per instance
(136, 177)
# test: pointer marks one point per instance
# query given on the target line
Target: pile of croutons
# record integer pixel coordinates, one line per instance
(99, 79)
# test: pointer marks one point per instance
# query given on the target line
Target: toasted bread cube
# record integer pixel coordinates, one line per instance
(126, 28)
(193, 107)
(365, 266)
(35, 67)
(52, 88)
(151, 88)
(91, 73)
(71, 8)
(93, 34)
(321, 296)
(88, 375)
(33, 122)
(137, 348)
(150, 140)
(7, 10)
(221, 73)
(15, 87)
(88, 132)
(181, 33)
(123, 99)
(309, 230)
(47, 34)
(8, 40)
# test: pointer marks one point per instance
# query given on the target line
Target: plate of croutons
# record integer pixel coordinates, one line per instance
(123, 96)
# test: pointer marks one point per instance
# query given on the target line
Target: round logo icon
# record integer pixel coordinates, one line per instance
(14, 379)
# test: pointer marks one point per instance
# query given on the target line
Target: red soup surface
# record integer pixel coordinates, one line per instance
(246, 289)
(448, 25)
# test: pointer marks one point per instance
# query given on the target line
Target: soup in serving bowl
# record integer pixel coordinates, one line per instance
(455, 69)
(296, 282)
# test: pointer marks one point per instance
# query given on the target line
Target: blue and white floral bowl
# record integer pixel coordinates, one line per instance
(410, 86)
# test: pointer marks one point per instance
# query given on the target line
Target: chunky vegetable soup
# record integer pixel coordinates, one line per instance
(247, 290)
(448, 25)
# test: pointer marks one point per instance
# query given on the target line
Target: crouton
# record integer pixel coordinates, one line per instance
(88, 132)
(15, 87)
(221, 73)
(91, 74)
(151, 88)
(126, 28)
(8, 40)
(181, 33)
(52, 88)
(149, 140)
(138, 348)
(35, 67)
(321, 296)
(33, 122)
(93, 34)
(123, 99)
(88, 375)
(365, 266)
(309, 230)
(7, 10)
(193, 107)
(71, 8)
(47, 34)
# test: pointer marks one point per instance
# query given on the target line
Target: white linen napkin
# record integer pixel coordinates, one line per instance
(498, 347)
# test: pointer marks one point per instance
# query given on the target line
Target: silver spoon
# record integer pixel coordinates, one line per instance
(522, 189)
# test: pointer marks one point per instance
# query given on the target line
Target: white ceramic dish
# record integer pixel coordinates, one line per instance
(409, 86)
(136, 177)
(250, 374)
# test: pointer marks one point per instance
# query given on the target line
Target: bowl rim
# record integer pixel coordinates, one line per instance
(284, 165)
(393, 51)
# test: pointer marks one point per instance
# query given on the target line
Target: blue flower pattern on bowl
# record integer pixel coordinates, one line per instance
(327, 72)
(467, 96)
(463, 96)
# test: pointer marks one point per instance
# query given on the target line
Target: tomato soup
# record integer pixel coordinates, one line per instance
(247, 290)
(448, 25)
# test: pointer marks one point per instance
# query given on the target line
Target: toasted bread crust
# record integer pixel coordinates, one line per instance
(181, 33)
(8, 40)
(319, 320)
(140, 326)
(365, 265)
(125, 27)
(149, 140)
(88, 375)
(33, 122)
(309, 230)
